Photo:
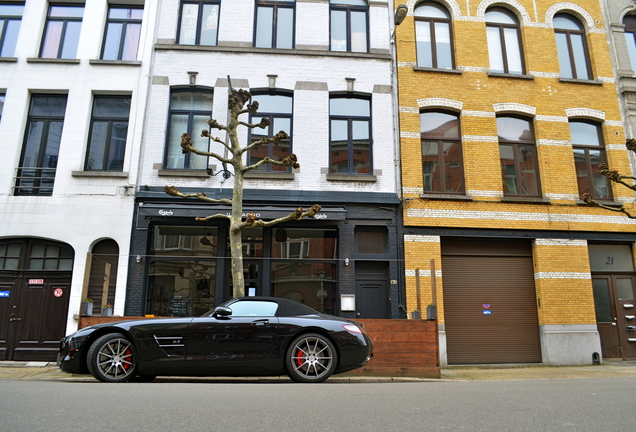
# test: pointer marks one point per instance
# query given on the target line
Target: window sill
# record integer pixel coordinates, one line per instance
(579, 81)
(112, 174)
(115, 62)
(8, 59)
(277, 51)
(446, 197)
(425, 69)
(505, 75)
(524, 200)
(52, 60)
(352, 178)
(269, 175)
(182, 173)
(616, 204)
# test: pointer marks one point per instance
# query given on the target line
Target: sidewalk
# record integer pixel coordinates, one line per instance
(49, 371)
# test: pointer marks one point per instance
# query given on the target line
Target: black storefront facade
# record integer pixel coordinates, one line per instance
(345, 262)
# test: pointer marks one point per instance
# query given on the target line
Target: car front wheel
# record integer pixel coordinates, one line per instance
(112, 358)
(311, 358)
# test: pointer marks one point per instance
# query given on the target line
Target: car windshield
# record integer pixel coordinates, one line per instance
(253, 308)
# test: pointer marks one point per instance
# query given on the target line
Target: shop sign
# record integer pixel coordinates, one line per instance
(5, 293)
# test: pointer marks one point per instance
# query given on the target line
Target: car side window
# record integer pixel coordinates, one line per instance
(253, 308)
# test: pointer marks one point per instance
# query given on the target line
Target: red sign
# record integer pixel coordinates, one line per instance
(58, 292)
(36, 281)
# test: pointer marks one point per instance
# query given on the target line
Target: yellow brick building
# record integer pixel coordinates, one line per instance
(506, 109)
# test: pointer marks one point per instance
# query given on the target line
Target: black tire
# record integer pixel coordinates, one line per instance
(145, 378)
(112, 358)
(311, 358)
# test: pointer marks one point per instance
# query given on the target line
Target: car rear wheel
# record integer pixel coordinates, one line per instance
(311, 358)
(112, 358)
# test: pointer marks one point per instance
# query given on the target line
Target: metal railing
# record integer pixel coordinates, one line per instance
(34, 181)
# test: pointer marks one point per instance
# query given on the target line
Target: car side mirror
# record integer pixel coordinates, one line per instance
(221, 312)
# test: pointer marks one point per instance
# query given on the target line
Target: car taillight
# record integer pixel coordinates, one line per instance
(351, 328)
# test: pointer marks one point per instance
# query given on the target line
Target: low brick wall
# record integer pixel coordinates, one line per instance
(402, 348)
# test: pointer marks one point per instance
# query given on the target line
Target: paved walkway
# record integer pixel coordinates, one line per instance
(49, 371)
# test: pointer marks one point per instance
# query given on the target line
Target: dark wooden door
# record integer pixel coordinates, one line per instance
(372, 293)
(34, 318)
(626, 313)
(606, 317)
(615, 301)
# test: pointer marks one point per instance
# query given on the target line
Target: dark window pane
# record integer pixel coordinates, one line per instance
(582, 174)
(118, 107)
(97, 146)
(453, 173)
(508, 170)
(264, 27)
(370, 241)
(602, 301)
(528, 179)
(430, 166)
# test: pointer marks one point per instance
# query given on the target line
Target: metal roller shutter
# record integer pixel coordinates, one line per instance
(490, 308)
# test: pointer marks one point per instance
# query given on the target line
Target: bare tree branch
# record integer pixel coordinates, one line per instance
(282, 135)
(296, 215)
(207, 218)
(206, 134)
(173, 191)
(186, 147)
(290, 160)
(216, 125)
(591, 201)
(263, 124)
(615, 176)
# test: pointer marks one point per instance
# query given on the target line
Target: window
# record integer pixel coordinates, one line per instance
(504, 42)
(50, 257)
(350, 149)
(371, 240)
(589, 152)
(189, 112)
(38, 162)
(518, 153)
(199, 23)
(274, 24)
(278, 109)
(433, 36)
(10, 18)
(9, 256)
(109, 126)
(630, 38)
(571, 47)
(441, 153)
(349, 25)
(62, 32)
(122, 33)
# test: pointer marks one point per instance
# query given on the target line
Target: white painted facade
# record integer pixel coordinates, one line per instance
(85, 206)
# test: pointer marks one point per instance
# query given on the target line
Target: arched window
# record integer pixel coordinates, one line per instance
(504, 42)
(277, 108)
(518, 155)
(433, 36)
(589, 153)
(630, 38)
(441, 153)
(572, 48)
(349, 25)
(274, 24)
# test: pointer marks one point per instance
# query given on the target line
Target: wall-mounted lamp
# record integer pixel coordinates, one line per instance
(400, 13)
(138, 259)
(346, 261)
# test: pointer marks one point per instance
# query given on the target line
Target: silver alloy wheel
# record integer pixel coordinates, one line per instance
(312, 358)
(115, 359)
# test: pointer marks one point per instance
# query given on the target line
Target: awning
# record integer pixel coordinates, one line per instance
(261, 212)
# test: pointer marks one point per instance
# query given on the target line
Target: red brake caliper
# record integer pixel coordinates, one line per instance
(299, 360)
(127, 358)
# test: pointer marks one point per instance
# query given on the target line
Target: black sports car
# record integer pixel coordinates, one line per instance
(248, 336)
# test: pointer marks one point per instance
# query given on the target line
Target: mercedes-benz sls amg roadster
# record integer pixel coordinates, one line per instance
(251, 336)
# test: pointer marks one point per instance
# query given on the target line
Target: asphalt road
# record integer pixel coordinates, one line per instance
(593, 404)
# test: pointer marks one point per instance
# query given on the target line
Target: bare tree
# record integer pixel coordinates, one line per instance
(236, 103)
(616, 177)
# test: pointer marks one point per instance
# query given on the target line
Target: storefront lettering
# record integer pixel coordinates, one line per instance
(165, 212)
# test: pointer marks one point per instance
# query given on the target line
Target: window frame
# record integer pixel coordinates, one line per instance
(590, 168)
(629, 21)
(432, 21)
(65, 21)
(123, 39)
(43, 145)
(502, 40)
(190, 113)
(106, 161)
(518, 171)
(440, 156)
(269, 168)
(347, 8)
(275, 5)
(201, 4)
(5, 20)
(350, 118)
(571, 59)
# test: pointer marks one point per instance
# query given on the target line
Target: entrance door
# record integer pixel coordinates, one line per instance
(372, 293)
(615, 301)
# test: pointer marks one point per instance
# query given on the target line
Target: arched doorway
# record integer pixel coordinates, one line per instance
(103, 277)
(35, 282)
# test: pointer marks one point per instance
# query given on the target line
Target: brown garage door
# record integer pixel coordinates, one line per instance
(490, 303)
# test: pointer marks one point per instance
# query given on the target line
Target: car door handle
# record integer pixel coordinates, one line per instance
(260, 323)
(15, 319)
